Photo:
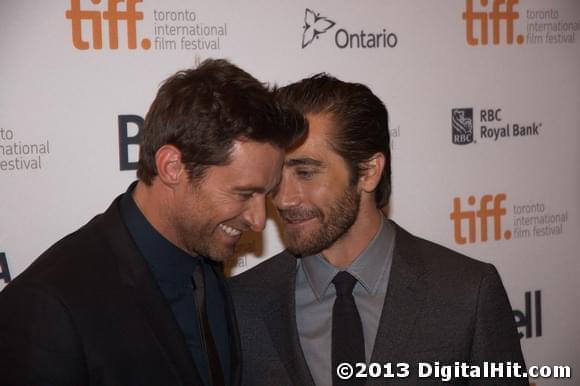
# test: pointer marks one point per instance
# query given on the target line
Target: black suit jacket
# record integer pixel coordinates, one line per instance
(88, 311)
(440, 306)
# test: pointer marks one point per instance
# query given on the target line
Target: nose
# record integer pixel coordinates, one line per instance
(255, 214)
(287, 195)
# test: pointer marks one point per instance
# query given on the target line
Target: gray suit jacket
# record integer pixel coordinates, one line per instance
(440, 306)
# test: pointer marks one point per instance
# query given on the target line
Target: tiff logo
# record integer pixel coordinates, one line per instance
(4, 271)
(112, 15)
(461, 217)
(531, 316)
(502, 14)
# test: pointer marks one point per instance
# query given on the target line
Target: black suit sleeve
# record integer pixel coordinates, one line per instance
(38, 341)
(495, 338)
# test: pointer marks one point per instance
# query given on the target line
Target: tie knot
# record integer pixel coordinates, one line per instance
(344, 282)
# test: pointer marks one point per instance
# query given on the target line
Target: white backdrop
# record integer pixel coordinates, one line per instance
(61, 97)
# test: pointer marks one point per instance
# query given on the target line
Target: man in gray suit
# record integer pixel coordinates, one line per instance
(427, 314)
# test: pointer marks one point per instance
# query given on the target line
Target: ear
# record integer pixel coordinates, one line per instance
(169, 165)
(371, 172)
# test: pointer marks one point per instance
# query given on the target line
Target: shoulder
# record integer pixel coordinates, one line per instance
(75, 261)
(436, 263)
(452, 281)
(267, 275)
(266, 272)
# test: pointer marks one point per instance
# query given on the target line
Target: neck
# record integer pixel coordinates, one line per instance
(346, 249)
(153, 201)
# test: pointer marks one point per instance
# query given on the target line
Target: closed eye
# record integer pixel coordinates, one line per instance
(245, 192)
(244, 196)
(305, 174)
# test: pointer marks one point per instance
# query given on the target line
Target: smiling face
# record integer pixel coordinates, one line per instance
(317, 199)
(209, 215)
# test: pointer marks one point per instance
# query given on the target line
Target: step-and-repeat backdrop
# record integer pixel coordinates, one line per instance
(484, 102)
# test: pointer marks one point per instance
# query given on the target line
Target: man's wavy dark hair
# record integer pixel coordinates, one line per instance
(202, 111)
(360, 120)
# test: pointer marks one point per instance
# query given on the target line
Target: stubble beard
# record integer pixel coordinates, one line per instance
(197, 240)
(341, 216)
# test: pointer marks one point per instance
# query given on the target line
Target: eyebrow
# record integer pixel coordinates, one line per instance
(304, 161)
(250, 188)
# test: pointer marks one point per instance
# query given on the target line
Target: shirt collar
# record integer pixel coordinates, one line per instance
(171, 266)
(367, 268)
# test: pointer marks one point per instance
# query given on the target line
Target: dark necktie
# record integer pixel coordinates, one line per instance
(216, 377)
(348, 343)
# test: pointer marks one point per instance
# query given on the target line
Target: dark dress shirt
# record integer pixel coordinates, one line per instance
(173, 268)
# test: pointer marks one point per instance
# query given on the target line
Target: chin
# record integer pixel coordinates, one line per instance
(302, 248)
(221, 256)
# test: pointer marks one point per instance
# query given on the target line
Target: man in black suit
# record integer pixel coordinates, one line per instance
(137, 296)
(354, 286)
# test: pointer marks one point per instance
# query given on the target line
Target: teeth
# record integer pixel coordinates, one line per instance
(229, 230)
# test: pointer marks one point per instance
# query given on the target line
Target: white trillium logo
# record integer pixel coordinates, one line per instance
(314, 25)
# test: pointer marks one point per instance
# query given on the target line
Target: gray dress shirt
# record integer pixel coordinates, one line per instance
(315, 297)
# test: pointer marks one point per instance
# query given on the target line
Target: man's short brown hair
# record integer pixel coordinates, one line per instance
(202, 111)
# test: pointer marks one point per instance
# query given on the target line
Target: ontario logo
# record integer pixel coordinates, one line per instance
(316, 25)
(82, 18)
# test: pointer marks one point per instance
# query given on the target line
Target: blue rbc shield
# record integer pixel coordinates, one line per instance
(462, 126)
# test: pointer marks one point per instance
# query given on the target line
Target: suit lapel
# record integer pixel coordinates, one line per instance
(280, 320)
(156, 312)
(406, 294)
(168, 335)
(235, 345)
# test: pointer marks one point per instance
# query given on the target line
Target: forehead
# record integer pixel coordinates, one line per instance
(251, 164)
(317, 141)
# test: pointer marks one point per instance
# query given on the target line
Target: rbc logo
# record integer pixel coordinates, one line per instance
(502, 18)
(461, 217)
(112, 16)
(462, 126)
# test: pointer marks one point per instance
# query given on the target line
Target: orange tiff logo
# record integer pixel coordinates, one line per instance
(461, 217)
(502, 14)
(112, 15)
